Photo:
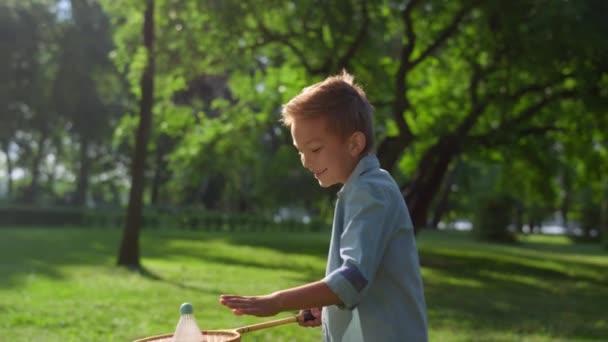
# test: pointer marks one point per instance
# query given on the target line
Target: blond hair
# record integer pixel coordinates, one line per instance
(338, 99)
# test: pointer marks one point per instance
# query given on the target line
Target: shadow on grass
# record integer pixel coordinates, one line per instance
(493, 288)
(291, 249)
(30, 251)
(315, 244)
(471, 265)
(150, 275)
(43, 251)
(526, 242)
(470, 285)
(574, 248)
(483, 293)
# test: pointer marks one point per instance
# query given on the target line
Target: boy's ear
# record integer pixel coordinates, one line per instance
(356, 144)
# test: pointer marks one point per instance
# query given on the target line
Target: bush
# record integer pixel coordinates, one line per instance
(35, 216)
(153, 217)
(104, 218)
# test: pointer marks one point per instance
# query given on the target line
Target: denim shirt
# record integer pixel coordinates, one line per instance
(373, 263)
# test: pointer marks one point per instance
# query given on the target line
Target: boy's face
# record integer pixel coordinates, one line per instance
(328, 156)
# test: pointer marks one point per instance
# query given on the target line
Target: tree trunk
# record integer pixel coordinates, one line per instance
(129, 248)
(519, 217)
(603, 229)
(83, 174)
(566, 201)
(32, 191)
(9, 168)
(444, 196)
(420, 192)
(604, 222)
(390, 150)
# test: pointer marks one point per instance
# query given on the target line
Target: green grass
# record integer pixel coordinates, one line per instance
(62, 285)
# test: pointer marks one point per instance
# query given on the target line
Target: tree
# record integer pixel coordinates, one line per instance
(450, 80)
(83, 66)
(28, 124)
(129, 249)
(9, 115)
(465, 73)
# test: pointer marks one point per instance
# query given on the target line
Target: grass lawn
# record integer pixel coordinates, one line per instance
(62, 285)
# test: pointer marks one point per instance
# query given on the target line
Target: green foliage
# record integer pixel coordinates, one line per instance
(183, 218)
(225, 68)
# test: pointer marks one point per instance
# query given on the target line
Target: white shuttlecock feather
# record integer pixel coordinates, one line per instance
(187, 330)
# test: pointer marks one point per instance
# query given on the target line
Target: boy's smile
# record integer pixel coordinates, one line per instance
(318, 174)
(327, 155)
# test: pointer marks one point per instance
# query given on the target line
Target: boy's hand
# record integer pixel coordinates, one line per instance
(316, 313)
(256, 305)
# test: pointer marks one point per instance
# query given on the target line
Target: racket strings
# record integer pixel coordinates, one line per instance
(209, 337)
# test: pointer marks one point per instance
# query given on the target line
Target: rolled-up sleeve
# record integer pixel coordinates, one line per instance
(362, 245)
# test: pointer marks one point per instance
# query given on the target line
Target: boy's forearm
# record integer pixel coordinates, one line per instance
(312, 295)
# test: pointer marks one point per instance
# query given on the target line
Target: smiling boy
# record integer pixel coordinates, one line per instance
(372, 290)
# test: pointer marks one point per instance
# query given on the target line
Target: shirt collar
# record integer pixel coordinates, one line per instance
(367, 163)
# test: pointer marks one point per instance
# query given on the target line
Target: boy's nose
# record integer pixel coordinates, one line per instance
(306, 163)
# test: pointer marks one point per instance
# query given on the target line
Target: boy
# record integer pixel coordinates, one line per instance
(372, 290)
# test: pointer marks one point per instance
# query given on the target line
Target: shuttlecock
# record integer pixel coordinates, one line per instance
(187, 330)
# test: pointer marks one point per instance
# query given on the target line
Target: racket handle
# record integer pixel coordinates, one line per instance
(267, 324)
(306, 316)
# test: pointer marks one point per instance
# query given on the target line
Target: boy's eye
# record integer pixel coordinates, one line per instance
(316, 150)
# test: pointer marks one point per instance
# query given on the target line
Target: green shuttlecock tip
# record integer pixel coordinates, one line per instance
(186, 309)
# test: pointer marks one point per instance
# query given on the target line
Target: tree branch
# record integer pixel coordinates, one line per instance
(409, 30)
(531, 110)
(536, 87)
(474, 84)
(273, 37)
(491, 141)
(477, 106)
(511, 128)
(352, 49)
(270, 37)
(401, 102)
(447, 32)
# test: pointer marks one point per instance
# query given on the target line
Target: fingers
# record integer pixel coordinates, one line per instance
(257, 306)
(316, 312)
(230, 299)
(310, 324)
(227, 299)
(238, 304)
(315, 322)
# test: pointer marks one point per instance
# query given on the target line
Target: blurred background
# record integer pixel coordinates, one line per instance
(482, 108)
(163, 115)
